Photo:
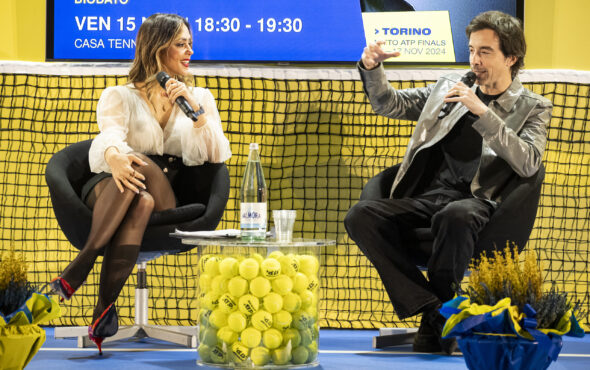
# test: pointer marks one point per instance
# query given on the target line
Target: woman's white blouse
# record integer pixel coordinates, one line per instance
(125, 122)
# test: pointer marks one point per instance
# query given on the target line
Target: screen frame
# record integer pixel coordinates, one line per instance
(49, 44)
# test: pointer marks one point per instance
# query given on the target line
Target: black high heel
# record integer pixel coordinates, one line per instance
(106, 325)
(60, 287)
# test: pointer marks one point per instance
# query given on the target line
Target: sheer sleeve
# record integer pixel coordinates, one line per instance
(208, 142)
(112, 115)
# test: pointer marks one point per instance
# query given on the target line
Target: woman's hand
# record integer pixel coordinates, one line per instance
(174, 89)
(124, 174)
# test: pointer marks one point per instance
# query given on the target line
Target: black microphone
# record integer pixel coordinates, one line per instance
(468, 79)
(162, 78)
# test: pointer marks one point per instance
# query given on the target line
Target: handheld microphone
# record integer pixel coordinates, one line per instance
(468, 79)
(162, 78)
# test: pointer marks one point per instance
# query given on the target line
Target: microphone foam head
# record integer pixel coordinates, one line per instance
(162, 77)
(469, 78)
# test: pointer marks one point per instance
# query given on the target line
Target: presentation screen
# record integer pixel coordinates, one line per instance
(325, 31)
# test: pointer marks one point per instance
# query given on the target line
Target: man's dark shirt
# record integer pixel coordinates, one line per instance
(458, 153)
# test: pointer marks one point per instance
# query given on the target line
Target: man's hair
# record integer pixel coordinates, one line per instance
(509, 31)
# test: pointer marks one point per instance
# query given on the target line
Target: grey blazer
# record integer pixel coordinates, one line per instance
(514, 130)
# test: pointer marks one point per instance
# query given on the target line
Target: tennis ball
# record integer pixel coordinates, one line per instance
(309, 265)
(260, 356)
(236, 321)
(204, 354)
(312, 311)
(272, 338)
(257, 257)
(227, 303)
(228, 267)
(306, 337)
(291, 302)
(300, 282)
(205, 282)
(212, 266)
(282, 284)
(289, 265)
(281, 356)
(270, 268)
(209, 337)
(313, 351)
(259, 286)
(239, 351)
(293, 336)
(227, 335)
(210, 301)
(272, 302)
(218, 318)
(275, 254)
(300, 355)
(261, 320)
(248, 268)
(306, 299)
(313, 283)
(204, 316)
(301, 320)
(281, 320)
(237, 286)
(219, 284)
(218, 355)
(248, 304)
(250, 337)
(203, 260)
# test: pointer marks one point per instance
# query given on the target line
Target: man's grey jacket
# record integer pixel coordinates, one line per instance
(514, 130)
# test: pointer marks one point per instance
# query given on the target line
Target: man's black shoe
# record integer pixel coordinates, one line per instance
(426, 339)
(433, 323)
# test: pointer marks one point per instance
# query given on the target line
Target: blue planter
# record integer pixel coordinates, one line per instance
(483, 352)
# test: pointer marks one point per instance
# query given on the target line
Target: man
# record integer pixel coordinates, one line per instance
(453, 171)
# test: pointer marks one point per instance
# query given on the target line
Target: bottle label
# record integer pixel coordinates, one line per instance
(253, 215)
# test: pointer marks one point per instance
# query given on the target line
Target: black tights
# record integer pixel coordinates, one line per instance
(120, 218)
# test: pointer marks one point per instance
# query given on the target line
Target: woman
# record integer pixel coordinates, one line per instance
(136, 120)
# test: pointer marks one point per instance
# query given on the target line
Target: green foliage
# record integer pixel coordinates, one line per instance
(503, 275)
(14, 287)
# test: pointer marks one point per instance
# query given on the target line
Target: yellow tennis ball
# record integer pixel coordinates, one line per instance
(212, 266)
(219, 284)
(315, 331)
(275, 254)
(313, 351)
(272, 302)
(313, 283)
(289, 265)
(203, 260)
(291, 302)
(312, 311)
(251, 337)
(228, 267)
(291, 335)
(248, 268)
(300, 355)
(261, 320)
(227, 303)
(306, 337)
(205, 282)
(236, 321)
(257, 257)
(218, 318)
(259, 286)
(209, 337)
(272, 338)
(309, 265)
(239, 351)
(301, 320)
(281, 356)
(210, 301)
(204, 352)
(281, 320)
(282, 284)
(260, 356)
(204, 316)
(306, 299)
(237, 286)
(227, 335)
(270, 268)
(218, 355)
(248, 304)
(300, 282)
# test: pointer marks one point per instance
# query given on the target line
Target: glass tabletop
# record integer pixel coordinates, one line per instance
(269, 242)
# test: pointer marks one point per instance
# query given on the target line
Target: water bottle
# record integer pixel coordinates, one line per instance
(253, 199)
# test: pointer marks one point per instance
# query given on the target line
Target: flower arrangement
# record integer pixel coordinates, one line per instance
(21, 310)
(504, 319)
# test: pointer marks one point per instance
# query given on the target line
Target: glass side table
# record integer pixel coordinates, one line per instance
(258, 302)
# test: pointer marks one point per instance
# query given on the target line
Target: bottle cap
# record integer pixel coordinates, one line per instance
(253, 146)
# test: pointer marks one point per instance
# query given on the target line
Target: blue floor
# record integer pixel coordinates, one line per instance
(339, 349)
